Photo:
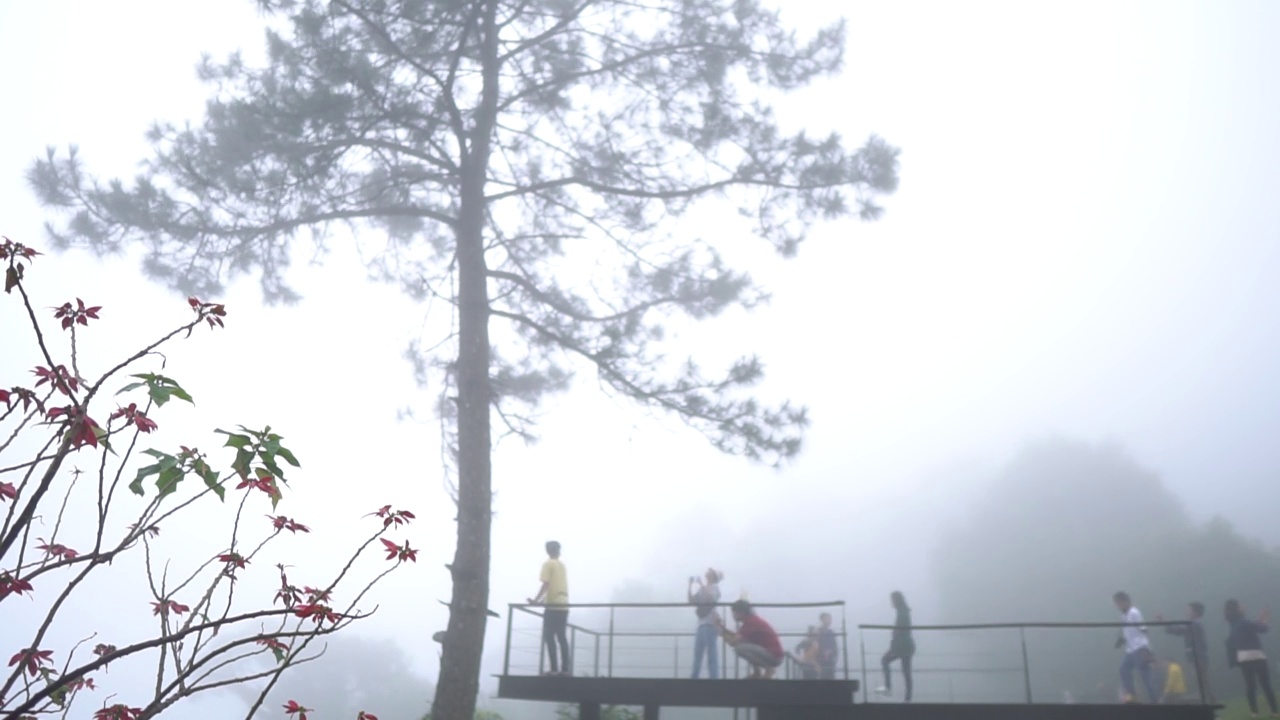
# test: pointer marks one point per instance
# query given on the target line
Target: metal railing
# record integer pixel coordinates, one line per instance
(1021, 666)
(653, 639)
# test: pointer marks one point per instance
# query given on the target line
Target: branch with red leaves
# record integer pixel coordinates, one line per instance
(208, 632)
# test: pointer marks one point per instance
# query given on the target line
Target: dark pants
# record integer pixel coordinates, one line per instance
(828, 670)
(888, 658)
(1258, 672)
(1201, 679)
(554, 626)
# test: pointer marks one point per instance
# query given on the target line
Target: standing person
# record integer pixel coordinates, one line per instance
(827, 648)
(901, 647)
(1244, 648)
(554, 593)
(705, 598)
(755, 641)
(1197, 647)
(1137, 651)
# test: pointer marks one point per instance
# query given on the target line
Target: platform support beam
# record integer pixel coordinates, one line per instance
(589, 711)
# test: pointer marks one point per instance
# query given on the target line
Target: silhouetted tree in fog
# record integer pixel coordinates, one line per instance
(1066, 525)
(490, 140)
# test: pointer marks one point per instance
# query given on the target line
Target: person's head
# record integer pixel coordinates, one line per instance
(1232, 611)
(825, 619)
(714, 576)
(1195, 610)
(813, 632)
(898, 600)
(1122, 601)
(553, 549)
(741, 610)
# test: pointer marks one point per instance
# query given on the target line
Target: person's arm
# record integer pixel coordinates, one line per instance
(542, 592)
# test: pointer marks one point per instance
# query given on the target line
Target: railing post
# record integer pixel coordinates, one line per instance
(611, 613)
(573, 644)
(597, 656)
(1026, 665)
(844, 641)
(675, 672)
(506, 656)
(862, 648)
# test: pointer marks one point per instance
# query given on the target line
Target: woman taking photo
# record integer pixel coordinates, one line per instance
(1244, 648)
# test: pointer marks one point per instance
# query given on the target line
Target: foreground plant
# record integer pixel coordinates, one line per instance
(81, 500)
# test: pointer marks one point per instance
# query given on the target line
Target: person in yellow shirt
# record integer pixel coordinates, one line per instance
(1175, 684)
(554, 595)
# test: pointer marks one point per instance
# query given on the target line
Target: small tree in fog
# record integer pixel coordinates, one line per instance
(85, 503)
(528, 162)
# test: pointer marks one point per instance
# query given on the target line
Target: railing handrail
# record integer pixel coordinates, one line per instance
(685, 604)
(1029, 625)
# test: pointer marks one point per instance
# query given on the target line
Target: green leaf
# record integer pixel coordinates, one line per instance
(279, 654)
(168, 480)
(244, 457)
(166, 462)
(288, 456)
(160, 388)
(210, 477)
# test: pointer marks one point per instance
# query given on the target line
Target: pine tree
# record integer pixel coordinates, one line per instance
(489, 140)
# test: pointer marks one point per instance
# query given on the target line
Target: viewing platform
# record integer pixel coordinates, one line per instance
(641, 655)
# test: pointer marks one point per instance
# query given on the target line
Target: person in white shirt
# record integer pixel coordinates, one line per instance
(1137, 651)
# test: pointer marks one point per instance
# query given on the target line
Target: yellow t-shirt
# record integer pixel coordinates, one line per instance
(557, 582)
(1174, 684)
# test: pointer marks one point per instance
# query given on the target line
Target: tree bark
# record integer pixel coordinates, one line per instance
(459, 680)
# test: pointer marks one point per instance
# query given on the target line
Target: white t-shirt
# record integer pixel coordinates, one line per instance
(1134, 637)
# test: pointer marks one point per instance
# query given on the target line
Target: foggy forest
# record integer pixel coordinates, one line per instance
(581, 359)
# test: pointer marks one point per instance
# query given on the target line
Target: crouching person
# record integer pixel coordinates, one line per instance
(755, 641)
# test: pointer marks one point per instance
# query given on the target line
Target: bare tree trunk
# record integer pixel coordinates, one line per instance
(459, 680)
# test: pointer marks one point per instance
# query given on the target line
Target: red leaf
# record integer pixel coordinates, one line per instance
(10, 585)
(8, 491)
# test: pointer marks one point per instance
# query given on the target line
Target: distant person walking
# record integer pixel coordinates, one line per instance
(1197, 645)
(1137, 651)
(554, 594)
(1244, 648)
(705, 598)
(901, 647)
(755, 641)
(828, 650)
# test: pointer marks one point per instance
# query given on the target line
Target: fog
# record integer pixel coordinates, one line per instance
(1076, 272)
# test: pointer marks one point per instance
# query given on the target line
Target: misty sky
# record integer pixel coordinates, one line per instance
(1084, 243)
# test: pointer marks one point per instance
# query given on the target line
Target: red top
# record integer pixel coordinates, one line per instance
(756, 631)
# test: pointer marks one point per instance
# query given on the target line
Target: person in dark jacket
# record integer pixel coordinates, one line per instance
(901, 647)
(1197, 648)
(1244, 648)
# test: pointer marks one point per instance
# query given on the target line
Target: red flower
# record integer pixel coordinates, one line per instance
(293, 708)
(317, 613)
(281, 522)
(11, 249)
(87, 434)
(8, 491)
(164, 606)
(78, 314)
(81, 683)
(103, 649)
(211, 313)
(316, 594)
(397, 551)
(362, 715)
(398, 517)
(233, 559)
(58, 378)
(20, 393)
(133, 416)
(10, 585)
(118, 712)
(57, 550)
(32, 660)
(266, 484)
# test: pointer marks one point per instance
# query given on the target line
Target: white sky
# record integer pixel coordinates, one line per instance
(1084, 243)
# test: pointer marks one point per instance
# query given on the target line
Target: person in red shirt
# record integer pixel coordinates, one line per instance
(755, 641)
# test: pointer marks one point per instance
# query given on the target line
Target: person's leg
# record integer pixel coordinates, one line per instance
(757, 657)
(1126, 676)
(562, 634)
(888, 671)
(1250, 685)
(1202, 681)
(549, 640)
(906, 675)
(713, 652)
(828, 671)
(1146, 667)
(699, 649)
(1264, 679)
